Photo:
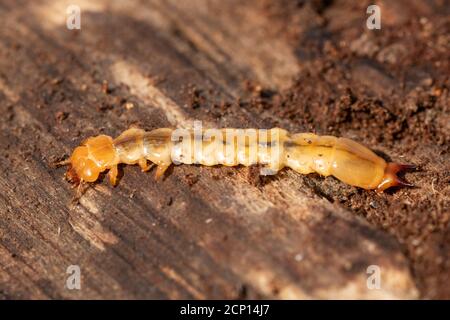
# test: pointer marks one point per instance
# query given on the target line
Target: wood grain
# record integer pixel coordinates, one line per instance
(199, 233)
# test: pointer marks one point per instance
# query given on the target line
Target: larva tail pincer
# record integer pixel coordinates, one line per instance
(305, 153)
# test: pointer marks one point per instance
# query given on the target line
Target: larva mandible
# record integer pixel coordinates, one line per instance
(305, 153)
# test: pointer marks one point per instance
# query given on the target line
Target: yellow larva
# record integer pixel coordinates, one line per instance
(305, 153)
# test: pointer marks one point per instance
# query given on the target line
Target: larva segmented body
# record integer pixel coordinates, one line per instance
(305, 153)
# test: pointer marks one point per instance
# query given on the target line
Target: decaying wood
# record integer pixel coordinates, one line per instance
(199, 233)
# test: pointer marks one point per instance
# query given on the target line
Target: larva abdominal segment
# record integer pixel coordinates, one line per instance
(305, 153)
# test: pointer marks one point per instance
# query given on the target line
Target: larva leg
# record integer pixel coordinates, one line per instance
(62, 163)
(81, 189)
(160, 169)
(79, 193)
(144, 165)
(113, 172)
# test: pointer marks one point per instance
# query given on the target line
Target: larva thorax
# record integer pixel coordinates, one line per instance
(136, 144)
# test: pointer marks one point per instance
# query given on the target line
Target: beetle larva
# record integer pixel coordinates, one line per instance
(305, 153)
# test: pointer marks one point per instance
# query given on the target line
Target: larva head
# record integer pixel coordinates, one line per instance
(95, 155)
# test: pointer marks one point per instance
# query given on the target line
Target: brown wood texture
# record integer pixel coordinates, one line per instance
(201, 232)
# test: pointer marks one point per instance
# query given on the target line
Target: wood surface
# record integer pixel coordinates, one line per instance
(199, 233)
